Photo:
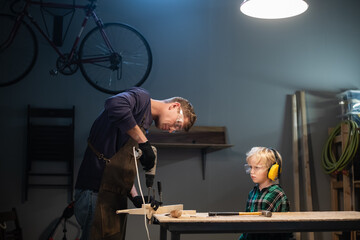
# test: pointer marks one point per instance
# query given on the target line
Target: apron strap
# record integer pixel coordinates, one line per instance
(99, 155)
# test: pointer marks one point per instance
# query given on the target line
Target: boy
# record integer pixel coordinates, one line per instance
(264, 167)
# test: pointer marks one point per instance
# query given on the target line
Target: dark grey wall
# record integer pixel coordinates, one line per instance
(239, 72)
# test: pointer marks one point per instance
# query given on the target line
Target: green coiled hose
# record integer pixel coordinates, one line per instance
(329, 161)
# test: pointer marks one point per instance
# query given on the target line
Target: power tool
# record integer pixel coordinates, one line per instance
(149, 174)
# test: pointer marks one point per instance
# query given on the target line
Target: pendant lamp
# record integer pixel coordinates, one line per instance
(273, 9)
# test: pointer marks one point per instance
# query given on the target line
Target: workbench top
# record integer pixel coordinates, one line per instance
(315, 216)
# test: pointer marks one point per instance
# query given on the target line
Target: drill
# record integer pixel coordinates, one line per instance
(149, 174)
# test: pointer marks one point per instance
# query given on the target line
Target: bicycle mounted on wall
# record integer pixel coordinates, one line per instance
(112, 56)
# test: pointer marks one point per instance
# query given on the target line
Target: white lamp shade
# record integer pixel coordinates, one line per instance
(273, 9)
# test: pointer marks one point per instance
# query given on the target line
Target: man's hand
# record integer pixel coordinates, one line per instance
(147, 158)
(137, 201)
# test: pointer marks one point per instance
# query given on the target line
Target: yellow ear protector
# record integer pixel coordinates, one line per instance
(275, 169)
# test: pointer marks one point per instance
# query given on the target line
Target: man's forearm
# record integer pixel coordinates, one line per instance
(136, 134)
(133, 191)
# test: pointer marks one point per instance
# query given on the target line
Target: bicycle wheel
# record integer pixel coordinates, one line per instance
(115, 71)
(17, 55)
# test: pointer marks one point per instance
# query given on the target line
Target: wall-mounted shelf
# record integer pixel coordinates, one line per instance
(208, 139)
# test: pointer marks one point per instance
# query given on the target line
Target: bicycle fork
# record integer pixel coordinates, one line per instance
(115, 58)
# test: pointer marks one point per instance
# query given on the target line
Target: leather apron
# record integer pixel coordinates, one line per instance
(116, 183)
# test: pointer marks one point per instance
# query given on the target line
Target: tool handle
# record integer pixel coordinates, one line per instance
(159, 190)
(249, 213)
(159, 186)
(223, 213)
(233, 213)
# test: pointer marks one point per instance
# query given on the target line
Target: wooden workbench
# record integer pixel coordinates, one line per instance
(330, 221)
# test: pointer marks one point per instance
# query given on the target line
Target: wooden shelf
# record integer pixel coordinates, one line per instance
(191, 145)
(340, 185)
(208, 139)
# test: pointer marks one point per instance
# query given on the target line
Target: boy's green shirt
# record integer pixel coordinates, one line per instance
(272, 198)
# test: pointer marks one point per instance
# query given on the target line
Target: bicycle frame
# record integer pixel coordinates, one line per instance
(89, 12)
(111, 56)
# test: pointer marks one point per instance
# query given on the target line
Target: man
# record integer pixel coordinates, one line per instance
(107, 172)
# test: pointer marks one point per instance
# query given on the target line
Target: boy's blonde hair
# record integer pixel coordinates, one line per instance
(264, 155)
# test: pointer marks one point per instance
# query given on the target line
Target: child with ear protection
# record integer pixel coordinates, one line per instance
(264, 167)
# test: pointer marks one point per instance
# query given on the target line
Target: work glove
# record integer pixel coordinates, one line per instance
(137, 201)
(147, 158)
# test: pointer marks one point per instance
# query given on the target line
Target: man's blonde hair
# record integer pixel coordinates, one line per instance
(265, 155)
(188, 111)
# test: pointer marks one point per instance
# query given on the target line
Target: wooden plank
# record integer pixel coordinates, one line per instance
(337, 185)
(297, 217)
(296, 159)
(295, 155)
(149, 211)
(334, 193)
(334, 186)
(305, 148)
(347, 190)
(347, 193)
(306, 160)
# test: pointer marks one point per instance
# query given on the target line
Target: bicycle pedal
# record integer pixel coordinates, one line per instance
(53, 72)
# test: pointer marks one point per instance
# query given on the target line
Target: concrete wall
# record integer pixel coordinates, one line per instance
(239, 72)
